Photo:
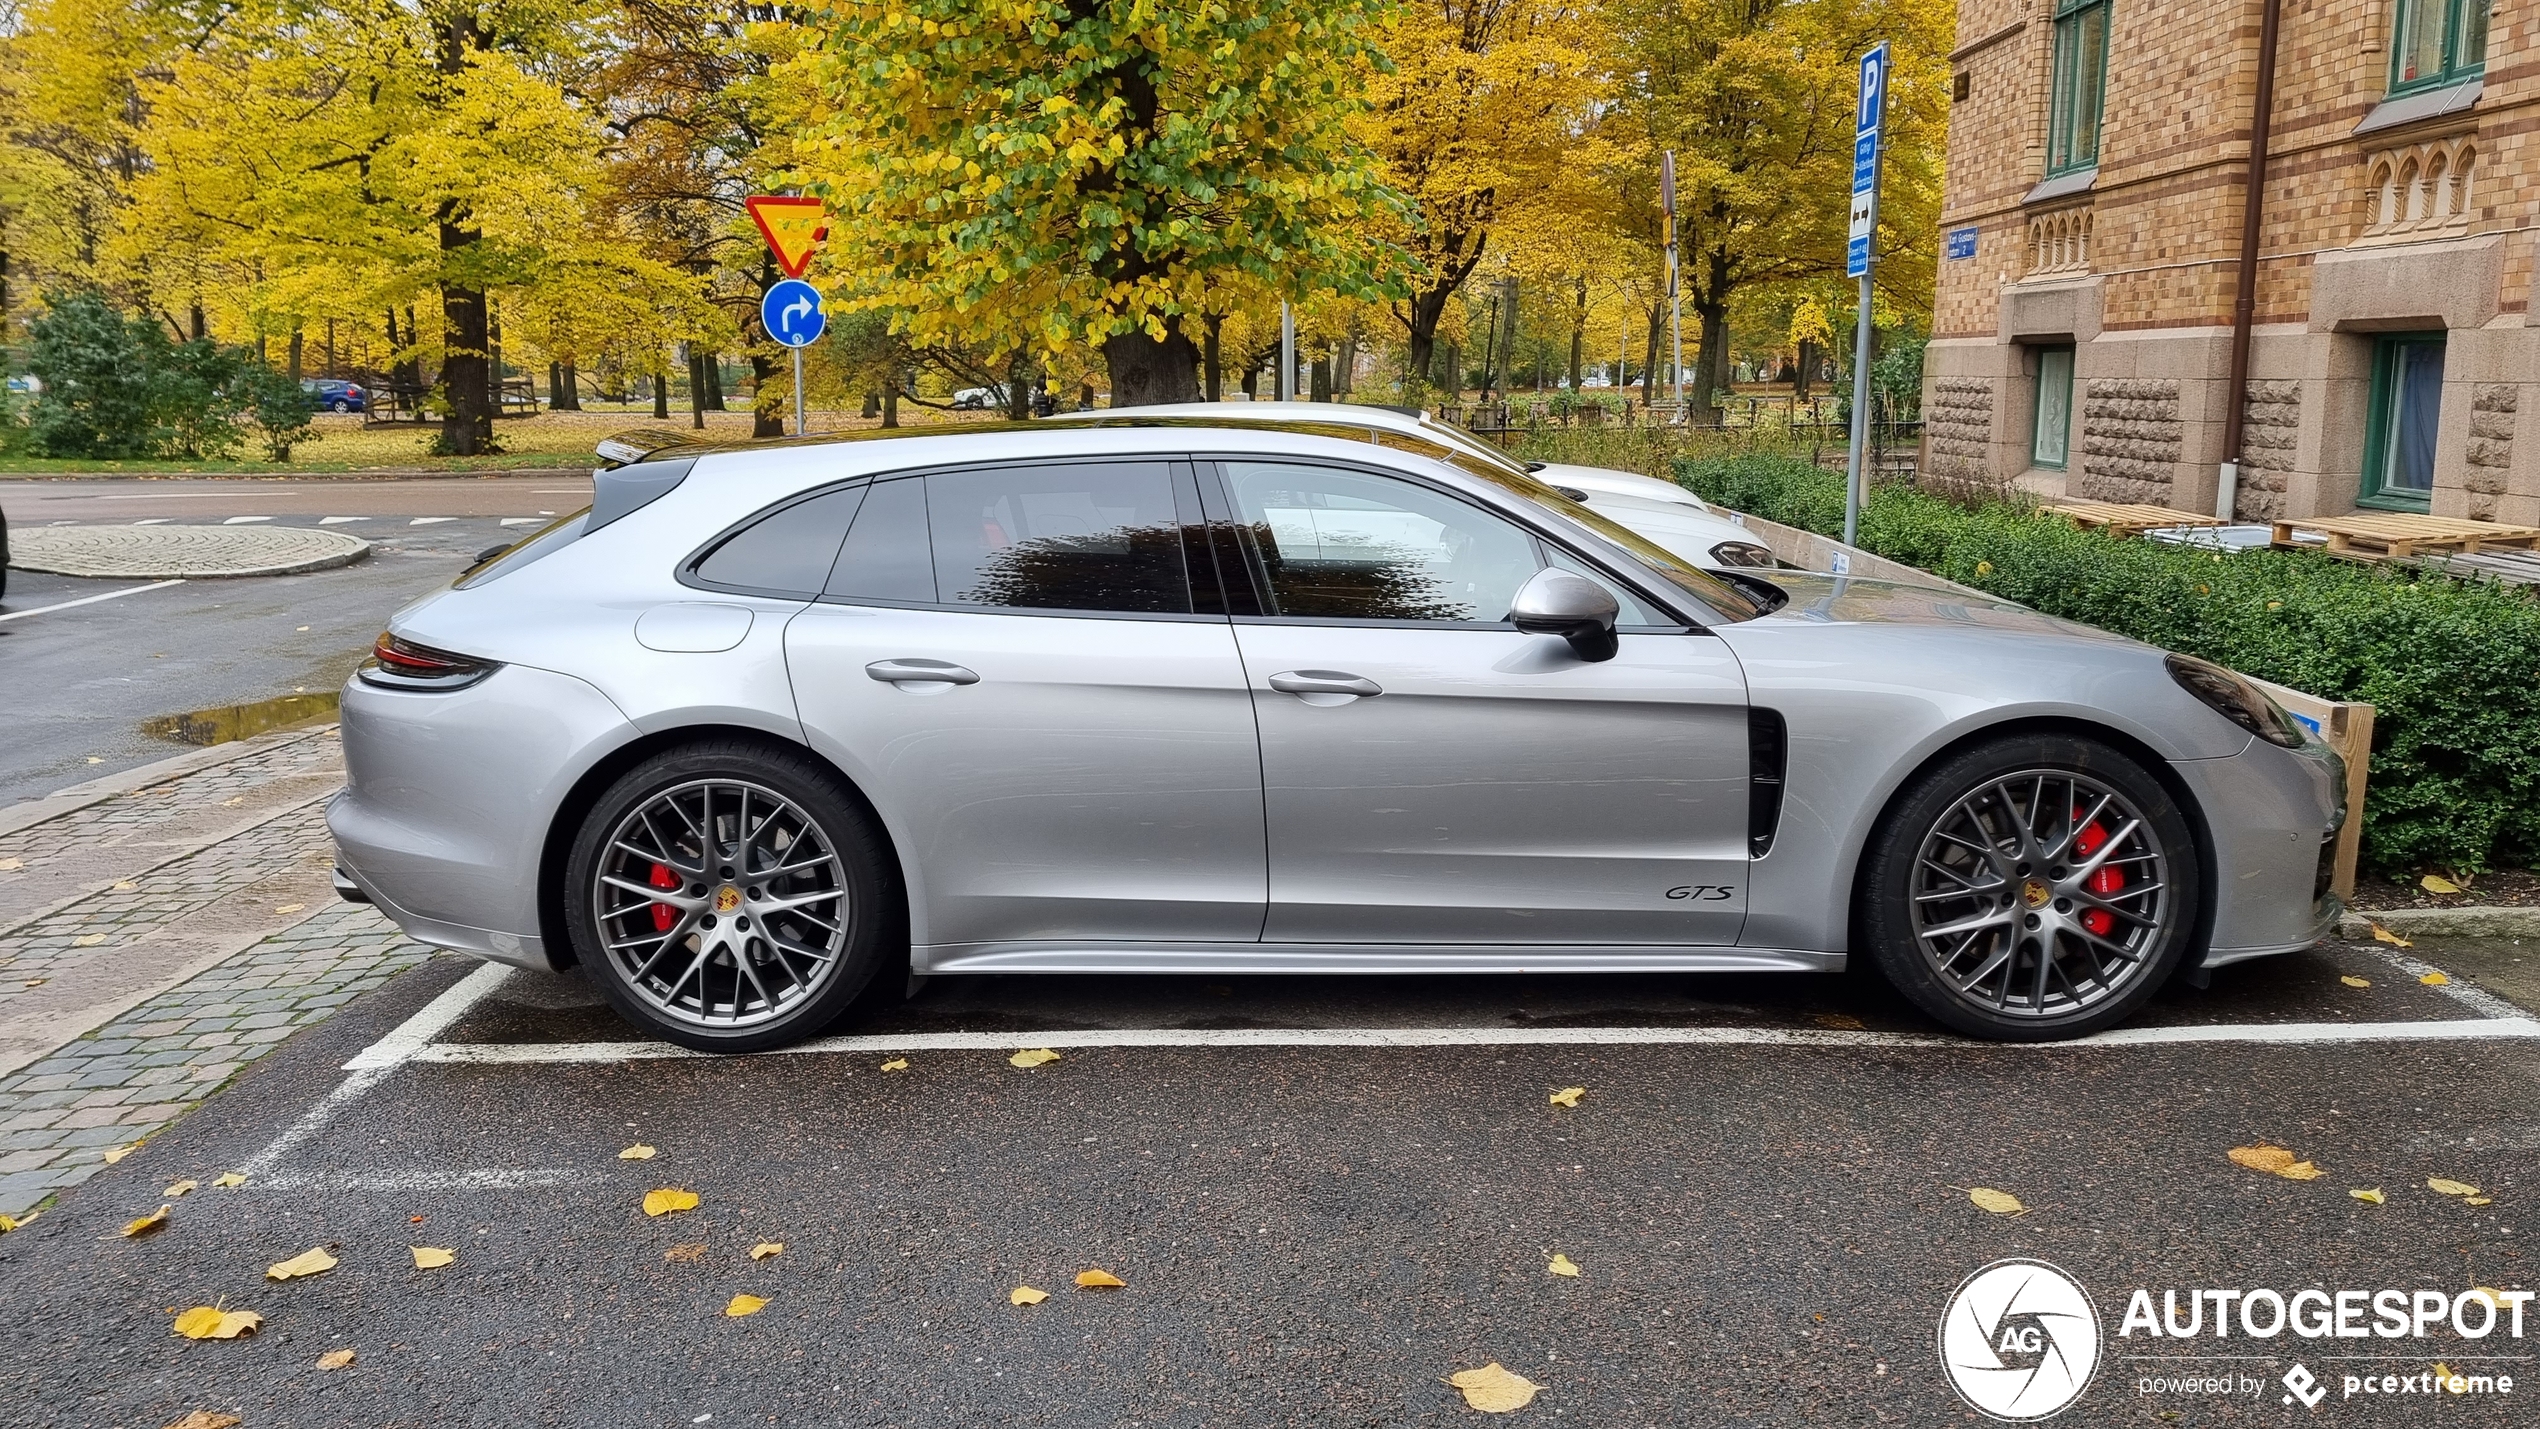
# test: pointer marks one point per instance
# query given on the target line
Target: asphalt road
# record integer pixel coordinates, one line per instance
(77, 683)
(1767, 1233)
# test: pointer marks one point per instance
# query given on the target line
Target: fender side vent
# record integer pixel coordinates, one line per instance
(1767, 754)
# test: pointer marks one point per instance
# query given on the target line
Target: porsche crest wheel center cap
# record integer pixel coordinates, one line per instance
(2034, 893)
(728, 898)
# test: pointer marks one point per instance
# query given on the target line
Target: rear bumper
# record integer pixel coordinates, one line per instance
(449, 797)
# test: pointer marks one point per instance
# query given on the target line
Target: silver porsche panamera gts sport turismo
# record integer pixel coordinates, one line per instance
(1224, 700)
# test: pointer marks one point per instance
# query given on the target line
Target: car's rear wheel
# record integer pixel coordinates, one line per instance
(340, 405)
(730, 897)
(2031, 888)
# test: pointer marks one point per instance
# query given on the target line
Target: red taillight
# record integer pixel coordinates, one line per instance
(400, 657)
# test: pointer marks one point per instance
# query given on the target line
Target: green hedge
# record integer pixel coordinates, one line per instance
(2451, 668)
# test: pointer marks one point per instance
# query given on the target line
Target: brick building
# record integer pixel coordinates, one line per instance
(2099, 154)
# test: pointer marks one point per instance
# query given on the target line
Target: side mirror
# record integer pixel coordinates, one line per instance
(1573, 607)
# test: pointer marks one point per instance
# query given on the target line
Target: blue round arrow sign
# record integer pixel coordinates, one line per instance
(793, 313)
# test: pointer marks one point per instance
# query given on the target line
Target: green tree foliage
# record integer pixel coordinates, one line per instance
(1058, 174)
(117, 387)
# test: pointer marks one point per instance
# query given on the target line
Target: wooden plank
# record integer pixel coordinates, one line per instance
(2346, 728)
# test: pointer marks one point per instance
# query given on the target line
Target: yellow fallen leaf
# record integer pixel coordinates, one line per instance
(2001, 1203)
(2437, 883)
(896, 1064)
(1563, 1265)
(205, 1419)
(2301, 1171)
(1025, 1295)
(2495, 1298)
(1494, 1390)
(12, 865)
(2351, 981)
(668, 1199)
(2450, 1188)
(117, 1153)
(1098, 1280)
(688, 1254)
(432, 1257)
(1839, 1021)
(744, 1305)
(88, 940)
(2382, 934)
(210, 1322)
(766, 1248)
(2270, 1159)
(1567, 1096)
(313, 1261)
(2373, 1196)
(1033, 1058)
(156, 1220)
(229, 1178)
(2435, 980)
(179, 1188)
(336, 1359)
(9, 1223)
(126, 886)
(233, 803)
(290, 907)
(2478, 1200)
(637, 1152)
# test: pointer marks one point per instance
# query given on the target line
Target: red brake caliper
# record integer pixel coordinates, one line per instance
(2109, 879)
(663, 914)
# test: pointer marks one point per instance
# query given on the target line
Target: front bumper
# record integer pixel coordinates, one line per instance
(2272, 817)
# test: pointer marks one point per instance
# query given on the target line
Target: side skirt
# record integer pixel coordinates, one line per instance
(1101, 957)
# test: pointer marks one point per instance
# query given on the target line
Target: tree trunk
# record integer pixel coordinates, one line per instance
(197, 328)
(568, 393)
(696, 390)
(1145, 372)
(467, 419)
(1318, 386)
(299, 346)
(1799, 374)
(712, 366)
(1578, 334)
(1018, 390)
(555, 386)
(891, 398)
(767, 413)
(872, 406)
(1649, 357)
(1454, 383)
(1345, 365)
(1213, 374)
(661, 388)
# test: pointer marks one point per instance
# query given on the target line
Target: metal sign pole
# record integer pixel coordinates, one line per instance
(1857, 260)
(799, 428)
(1675, 323)
(1285, 390)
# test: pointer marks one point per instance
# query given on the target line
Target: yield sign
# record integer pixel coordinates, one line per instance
(793, 228)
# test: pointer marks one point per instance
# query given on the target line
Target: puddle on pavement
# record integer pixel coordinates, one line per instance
(223, 723)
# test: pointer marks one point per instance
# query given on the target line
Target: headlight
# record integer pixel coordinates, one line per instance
(1743, 553)
(2235, 699)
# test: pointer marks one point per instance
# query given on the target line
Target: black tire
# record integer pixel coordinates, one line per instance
(846, 906)
(1934, 913)
(340, 405)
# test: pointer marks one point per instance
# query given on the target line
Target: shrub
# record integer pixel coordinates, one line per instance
(279, 409)
(2452, 668)
(118, 387)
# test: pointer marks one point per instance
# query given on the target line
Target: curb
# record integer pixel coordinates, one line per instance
(2493, 922)
(98, 790)
(149, 554)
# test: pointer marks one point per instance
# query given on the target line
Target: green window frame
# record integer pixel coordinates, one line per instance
(2437, 42)
(2405, 418)
(2050, 435)
(2078, 97)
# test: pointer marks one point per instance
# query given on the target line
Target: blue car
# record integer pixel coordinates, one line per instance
(333, 396)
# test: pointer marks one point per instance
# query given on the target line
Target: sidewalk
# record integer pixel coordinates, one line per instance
(157, 937)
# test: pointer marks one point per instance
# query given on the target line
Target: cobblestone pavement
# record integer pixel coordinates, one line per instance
(182, 552)
(152, 942)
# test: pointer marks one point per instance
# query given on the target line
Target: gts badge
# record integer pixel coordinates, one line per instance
(1703, 892)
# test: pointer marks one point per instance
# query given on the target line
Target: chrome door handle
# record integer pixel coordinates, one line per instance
(1323, 682)
(920, 672)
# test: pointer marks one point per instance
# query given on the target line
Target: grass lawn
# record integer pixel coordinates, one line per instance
(346, 445)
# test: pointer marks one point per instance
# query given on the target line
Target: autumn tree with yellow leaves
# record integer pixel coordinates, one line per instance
(1046, 175)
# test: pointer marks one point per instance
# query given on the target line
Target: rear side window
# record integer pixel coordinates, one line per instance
(886, 556)
(1072, 536)
(788, 551)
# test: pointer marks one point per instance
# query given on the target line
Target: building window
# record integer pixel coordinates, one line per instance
(2052, 441)
(2407, 411)
(2080, 93)
(2438, 42)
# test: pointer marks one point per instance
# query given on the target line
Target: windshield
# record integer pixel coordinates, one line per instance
(1731, 602)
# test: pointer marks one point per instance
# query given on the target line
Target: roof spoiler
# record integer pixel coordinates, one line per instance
(627, 448)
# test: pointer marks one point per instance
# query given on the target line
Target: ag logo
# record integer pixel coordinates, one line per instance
(2019, 1340)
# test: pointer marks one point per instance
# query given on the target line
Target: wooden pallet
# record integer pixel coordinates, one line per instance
(2397, 535)
(2125, 519)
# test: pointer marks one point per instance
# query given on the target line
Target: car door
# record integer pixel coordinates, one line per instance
(1010, 662)
(1433, 775)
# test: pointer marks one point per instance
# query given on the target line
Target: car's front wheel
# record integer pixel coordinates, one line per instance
(2031, 888)
(729, 896)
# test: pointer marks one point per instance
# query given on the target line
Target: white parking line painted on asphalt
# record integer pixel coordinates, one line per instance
(430, 520)
(243, 520)
(2478, 999)
(312, 1121)
(91, 599)
(490, 1179)
(2283, 1033)
(416, 1032)
(154, 521)
(184, 495)
(339, 520)
(520, 520)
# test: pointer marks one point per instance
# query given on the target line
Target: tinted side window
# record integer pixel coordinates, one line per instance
(1079, 536)
(886, 556)
(788, 550)
(1355, 545)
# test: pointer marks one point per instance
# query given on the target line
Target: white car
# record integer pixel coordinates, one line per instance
(1658, 511)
